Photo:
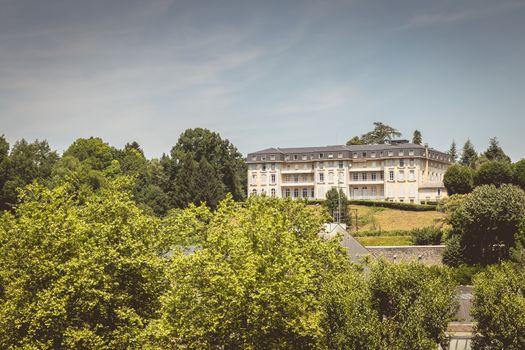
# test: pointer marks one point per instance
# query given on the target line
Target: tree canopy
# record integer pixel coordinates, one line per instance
(417, 138)
(495, 152)
(459, 179)
(469, 156)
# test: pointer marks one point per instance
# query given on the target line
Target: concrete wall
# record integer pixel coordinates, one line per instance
(427, 254)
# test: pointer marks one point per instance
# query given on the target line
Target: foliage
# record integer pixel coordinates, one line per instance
(26, 162)
(332, 206)
(493, 173)
(78, 274)
(469, 156)
(499, 308)
(518, 170)
(414, 315)
(490, 217)
(397, 240)
(426, 235)
(459, 179)
(464, 274)
(381, 134)
(204, 167)
(495, 153)
(453, 152)
(356, 140)
(417, 138)
(255, 281)
(395, 205)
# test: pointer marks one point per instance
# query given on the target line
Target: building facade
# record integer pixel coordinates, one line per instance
(398, 172)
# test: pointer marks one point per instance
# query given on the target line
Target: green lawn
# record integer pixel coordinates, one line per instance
(385, 240)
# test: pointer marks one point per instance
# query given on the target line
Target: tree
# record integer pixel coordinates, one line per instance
(495, 152)
(452, 152)
(490, 217)
(200, 149)
(518, 170)
(255, 281)
(26, 162)
(381, 134)
(4, 163)
(94, 152)
(413, 315)
(356, 140)
(459, 179)
(332, 205)
(493, 173)
(499, 308)
(79, 274)
(417, 138)
(468, 155)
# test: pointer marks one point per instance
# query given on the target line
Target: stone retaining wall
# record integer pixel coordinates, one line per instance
(427, 254)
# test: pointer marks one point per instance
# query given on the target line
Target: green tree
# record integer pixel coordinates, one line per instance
(490, 217)
(452, 152)
(4, 163)
(94, 152)
(202, 150)
(499, 308)
(518, 170)
(255, 279)
(417, 138)
(413, 315)
(459, 179)
(469, 156)
(333, 199)
(493, 173)
(381, 134)
(495, 152)
(26, 162)
(79, 274)
(356, 140)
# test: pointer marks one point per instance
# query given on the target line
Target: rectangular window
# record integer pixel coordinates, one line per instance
(321, 155)
(305, 193)
(296, 178)
(411, 175)
(273, 178)
(330, 155)
(411, 162)
(264, 167)
(254, 179)
(401, 153)
(321, 177)
(373, 154)
(356, 177)
(331, 177)
(391, 175)
(339, 155)
(364, 176)
(411, 152)
(401, 162)
(304, 157)
(401, 175)
(374, 176)
(354, 155)
(382, 175)
(312, 193)
(296, 193)
(295, 157)
(341, 164)
(390, 153)
(287, 193)
(364, 154)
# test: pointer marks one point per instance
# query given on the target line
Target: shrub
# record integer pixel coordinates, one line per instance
(518, 170)
(463, 274)
(499, 308)
(395, 205)
(453, 253)
(333, 198)
(426, 235)
(459, 179)
(493, 173)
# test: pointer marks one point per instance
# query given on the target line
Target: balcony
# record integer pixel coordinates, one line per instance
(366, 182)
(366, 170)
(297, 171)
(297, 184)
(368, 198)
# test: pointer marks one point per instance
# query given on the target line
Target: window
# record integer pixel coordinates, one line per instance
(390, 153)
(263, 192)
(412, 162)
(272, 157)
(373, 191)
(263, 179)
(411, 175)
(330, 177)
(312, 193)
(373, 154)
(273, 178)
(254, 158)
(287, 193)
(263, 167)
(401, 175)
(356, 177)
(364, 154)
(401, 153)
(254, 192)
(401, 162)
(339, 155)
(321, 155)
(321, 165)
(296, 178)
(391, 175)
(263, 157)
(354, 155)
(364, 176)
(295, 157)
(374, 176)
(382, 175)
(273, 192)
(304, 156)
(296, 193)
(305, 193)
(341, 164)
(340, 177)
(330, 155)
(254, 179)
(321, 177)
(287, 157)
(411, 152)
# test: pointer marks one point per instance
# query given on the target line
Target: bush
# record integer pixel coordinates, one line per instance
(395, 205)
(426, 235)
(518, 170)
(459, 179)
(453, 253)
(499, 308)
(493, 173)
(333, 198)
(463, 274)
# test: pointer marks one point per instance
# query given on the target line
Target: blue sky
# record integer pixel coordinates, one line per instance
(262, 73)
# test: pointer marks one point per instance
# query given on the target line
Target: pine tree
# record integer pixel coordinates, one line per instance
(453, 152)
(417, 138)
(469, 156)
(495, 152)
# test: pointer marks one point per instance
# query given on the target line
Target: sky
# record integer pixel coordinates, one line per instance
(262, 73)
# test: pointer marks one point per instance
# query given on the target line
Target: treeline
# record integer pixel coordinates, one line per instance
(91, 270)
(201, 167)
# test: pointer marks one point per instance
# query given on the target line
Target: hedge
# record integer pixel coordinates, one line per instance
(391, 205)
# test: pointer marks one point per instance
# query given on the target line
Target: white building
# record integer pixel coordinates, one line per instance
(399, 172)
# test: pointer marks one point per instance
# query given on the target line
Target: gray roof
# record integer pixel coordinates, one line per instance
(336, 148)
